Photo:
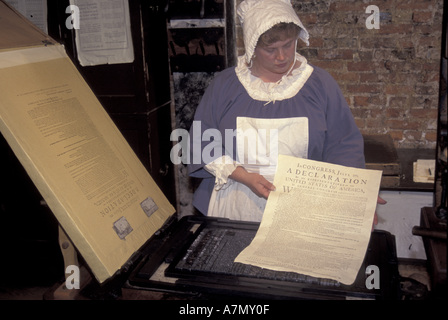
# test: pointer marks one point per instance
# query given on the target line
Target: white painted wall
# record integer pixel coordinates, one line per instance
(399, 216)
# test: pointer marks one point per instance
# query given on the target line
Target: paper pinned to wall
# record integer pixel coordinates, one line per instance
(104, 33)
(317, 222)
(34, 10)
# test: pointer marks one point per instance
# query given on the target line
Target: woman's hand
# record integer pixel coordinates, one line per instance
(254, 181)
(375, 217)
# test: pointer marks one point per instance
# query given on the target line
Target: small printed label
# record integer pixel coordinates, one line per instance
(149, 206)
(122, 228)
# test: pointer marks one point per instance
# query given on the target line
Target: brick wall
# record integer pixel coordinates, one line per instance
(390, 75)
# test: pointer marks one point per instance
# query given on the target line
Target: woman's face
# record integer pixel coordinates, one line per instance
(273, 61)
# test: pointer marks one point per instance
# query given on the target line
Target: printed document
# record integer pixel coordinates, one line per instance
(104, 33)
(318, 221)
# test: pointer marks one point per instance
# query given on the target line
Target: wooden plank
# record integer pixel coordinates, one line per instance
(380, 154)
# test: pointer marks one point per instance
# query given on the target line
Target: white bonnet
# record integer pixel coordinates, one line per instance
(258, 16)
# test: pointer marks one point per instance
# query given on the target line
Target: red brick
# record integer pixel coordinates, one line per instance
(363, 88)
(345, 76)
(399, 89)
(396, 135)
(356, 6)
(431, 136)
(308, 18)
(413, 134)
(329, 65)
(413, 5)
(403, 124)
(396, 29)
(424, 113)
(370, 77)
(360, 113)
(375, 123)
(361, 101)
(422, 17)
(360, 123)
(316, 42)
(398, 103)
(377, 113)
(360, 66)
(335, 54)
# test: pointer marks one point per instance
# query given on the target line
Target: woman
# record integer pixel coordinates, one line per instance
(286, 105)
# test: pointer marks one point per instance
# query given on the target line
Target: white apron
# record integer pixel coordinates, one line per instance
(259, 141)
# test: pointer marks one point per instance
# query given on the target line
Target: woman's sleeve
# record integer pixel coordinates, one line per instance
(344, 143)
(205, 139)
(222, 168)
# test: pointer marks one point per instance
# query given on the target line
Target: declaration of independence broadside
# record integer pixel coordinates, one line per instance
(318, 221)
